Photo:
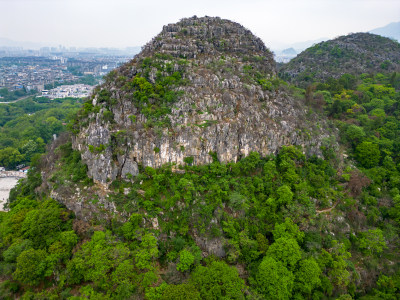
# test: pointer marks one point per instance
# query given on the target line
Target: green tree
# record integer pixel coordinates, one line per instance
(307, 276)
(10, 157)
(288, 229)
(274, 280)
(31, 267)
(186, 260)
(388, 288)
(218, 281)
(147, 252)
(96, 260)
(17, 247)
(285, 195)
(42, 225)
(336, 263)
(368, 154)
(181, 292)
(372, 241)
(355, 134)
(285, 250)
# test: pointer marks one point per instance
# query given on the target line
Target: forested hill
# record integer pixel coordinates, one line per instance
(284, 224)
(352, 54)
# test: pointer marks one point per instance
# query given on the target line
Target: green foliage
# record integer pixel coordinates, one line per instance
(368, 154)
(285, 195)
(153, 97)
(108, 116)
(307, 276)
(15, 249)
(218, 281)
(73, 169)
(273, 280)
(14, 95)
(188, 160)
(147, 252)
(26, 127)
(387, 287)
(181, 292)
(355, 134)
(285, 250)
(31, 267)
(97, 259)
(288, 229)
(373, 242)
(186, 260)
(42, 225)
(336, 263)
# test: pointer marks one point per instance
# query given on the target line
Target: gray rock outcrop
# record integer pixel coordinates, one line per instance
(229, 103)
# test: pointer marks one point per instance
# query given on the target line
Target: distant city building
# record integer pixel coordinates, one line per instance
(69, 91)
(34, 71)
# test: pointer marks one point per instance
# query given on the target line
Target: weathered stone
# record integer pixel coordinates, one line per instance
(224, 109)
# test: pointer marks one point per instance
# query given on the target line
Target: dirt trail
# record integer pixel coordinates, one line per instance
(327, 209)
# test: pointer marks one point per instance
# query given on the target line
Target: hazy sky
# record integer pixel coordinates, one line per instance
(126, 23)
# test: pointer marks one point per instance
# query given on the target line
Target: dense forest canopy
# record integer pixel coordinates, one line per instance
(28, 125)
(290, 226)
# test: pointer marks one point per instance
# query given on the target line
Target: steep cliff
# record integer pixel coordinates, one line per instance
(203, 87)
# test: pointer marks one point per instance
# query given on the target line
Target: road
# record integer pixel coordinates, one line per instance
(19, 99)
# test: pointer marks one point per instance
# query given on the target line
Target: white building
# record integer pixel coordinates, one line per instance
(72, 91)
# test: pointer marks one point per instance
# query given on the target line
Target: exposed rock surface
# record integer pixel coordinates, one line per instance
(227, 102)
(355, 53)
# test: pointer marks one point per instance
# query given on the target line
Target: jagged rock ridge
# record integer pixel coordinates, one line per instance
(203, 87)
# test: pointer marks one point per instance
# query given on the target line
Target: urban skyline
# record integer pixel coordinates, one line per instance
(121, 23)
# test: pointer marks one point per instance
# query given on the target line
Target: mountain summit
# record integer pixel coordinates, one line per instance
(203, 89)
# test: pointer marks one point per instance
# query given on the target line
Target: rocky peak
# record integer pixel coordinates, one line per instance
(208, 35)
(203, 89)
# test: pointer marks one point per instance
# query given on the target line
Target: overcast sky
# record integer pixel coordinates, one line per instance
(127, 23)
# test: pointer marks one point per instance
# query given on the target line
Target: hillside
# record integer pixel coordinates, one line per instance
(193, 172)
(353, 54)
(203, 85)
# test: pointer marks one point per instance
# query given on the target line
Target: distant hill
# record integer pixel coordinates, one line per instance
(301, 46)
(354, 53)
(391, 30)
(289, 51)
(4, 42)
(285, 55)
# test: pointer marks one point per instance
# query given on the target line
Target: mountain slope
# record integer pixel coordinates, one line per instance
(203, 87)
(354, 54)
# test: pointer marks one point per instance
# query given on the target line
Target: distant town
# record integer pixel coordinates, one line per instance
(69, 91)
(40, 72)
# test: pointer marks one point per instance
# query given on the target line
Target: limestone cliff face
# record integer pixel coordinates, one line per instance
(202, 87)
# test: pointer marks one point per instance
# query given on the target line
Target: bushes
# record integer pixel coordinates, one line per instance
(31, 267)
(73, 168)
(368, 154)
(35, 239)
(274, 280)
(218, 281)
(181, 292)
(252, 211)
